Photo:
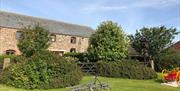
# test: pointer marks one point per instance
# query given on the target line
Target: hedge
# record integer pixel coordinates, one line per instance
(42, 71)
(82, 57)
(167, 61)
(125, 69)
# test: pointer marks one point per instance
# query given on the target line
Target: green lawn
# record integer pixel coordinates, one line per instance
(117, 84)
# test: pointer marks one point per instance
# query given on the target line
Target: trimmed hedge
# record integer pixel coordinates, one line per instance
(125, 69)
(42, 71)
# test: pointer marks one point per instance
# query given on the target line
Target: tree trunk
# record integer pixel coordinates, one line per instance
(152, 64)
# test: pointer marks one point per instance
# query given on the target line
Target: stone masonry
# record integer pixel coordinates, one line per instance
(67, 37)
(63, 43)
(8, 40)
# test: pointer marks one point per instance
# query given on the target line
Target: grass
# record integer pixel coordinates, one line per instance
(117, 84)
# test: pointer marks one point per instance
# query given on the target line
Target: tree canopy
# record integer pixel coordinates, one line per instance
(109, 42)
(33, 39)
(158, 39)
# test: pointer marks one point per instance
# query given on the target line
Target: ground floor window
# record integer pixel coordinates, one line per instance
(73, 50)
(10, 52)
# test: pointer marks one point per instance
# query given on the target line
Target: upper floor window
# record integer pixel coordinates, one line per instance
(73, 40)
(53, 37)
(10, 52)
(18, 34)
(73, 50)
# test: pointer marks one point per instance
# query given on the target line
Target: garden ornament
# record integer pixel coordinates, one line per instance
(172, 77)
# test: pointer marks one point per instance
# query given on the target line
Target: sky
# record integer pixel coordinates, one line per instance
(131, 15)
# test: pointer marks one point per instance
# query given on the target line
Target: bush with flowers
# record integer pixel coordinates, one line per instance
(172, 75)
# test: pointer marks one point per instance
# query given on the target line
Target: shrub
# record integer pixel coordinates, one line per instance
(19, 59)
(168, 60)
(125, 69)
(43, 70)
(6, 56)
(108, 42)
(82, 57)
(33, 39)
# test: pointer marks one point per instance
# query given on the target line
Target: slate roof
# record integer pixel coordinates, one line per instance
(132, 51)
(13, 20)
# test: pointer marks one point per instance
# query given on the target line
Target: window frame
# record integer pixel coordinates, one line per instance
(53, 37)
(18, 35)
(73, 40)
(10, 52)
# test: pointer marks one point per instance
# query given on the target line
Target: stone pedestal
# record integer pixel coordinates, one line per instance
(6, 62)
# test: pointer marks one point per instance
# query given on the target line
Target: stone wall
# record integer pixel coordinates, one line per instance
(63, 42)
(8, 41)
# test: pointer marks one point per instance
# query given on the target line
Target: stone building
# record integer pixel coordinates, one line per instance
(65, 37)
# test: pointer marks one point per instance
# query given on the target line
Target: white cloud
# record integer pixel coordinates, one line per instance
(96, 8)
(108, 6)
(155, 3)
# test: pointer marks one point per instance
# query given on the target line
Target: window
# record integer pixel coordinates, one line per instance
(73, 50)
(10, 52)
(53, 37)
(73, 40)
(18, 34)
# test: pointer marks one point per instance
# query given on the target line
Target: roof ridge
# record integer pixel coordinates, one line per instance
(15, 20)
(47, 19)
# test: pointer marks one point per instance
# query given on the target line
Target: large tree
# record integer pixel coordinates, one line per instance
(158, 38)
(108, 43)
(33, 39)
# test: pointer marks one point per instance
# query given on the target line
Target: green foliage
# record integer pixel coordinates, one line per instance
(82, 57)
(167, 59)
(19, 59)
(6, 56)
(74, 55)
(43, 70)
(33, 39)
(108, 43)
(158, 37)
(125, 69)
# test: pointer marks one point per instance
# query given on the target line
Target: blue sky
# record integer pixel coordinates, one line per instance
(130, 14)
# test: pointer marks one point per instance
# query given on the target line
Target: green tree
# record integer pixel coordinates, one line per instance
(167, 59)
(108, 43)
(158, 38)
(33, 39)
